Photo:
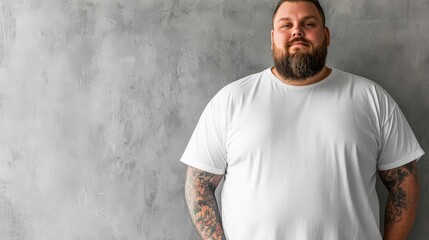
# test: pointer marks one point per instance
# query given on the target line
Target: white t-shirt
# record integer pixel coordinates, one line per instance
(300, 162)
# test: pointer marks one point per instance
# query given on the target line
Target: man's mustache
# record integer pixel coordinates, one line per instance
(299, 39)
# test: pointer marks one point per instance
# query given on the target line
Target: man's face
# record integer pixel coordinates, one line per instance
(299, 40)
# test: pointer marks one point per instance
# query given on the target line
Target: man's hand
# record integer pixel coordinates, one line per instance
(200, 187)
(401, 208)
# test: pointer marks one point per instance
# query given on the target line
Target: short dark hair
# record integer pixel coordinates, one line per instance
(315, 2)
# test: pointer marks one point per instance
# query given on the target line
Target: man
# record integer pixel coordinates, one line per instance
(299, 146)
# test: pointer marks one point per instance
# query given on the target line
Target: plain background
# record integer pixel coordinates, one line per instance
(98, 100)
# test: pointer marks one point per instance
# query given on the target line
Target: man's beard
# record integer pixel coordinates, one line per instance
(299, 66)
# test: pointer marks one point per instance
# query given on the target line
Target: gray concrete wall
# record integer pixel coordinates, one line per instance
(99, 98)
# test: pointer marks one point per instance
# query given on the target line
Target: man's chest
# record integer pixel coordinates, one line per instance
(280, 133)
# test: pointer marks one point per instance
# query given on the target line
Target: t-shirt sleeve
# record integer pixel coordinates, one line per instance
(399, 145)
(206, 148)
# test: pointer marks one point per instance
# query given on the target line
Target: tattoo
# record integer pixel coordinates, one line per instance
(397, 201)
(202, 205)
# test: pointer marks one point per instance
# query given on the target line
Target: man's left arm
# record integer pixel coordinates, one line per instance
(401, 208)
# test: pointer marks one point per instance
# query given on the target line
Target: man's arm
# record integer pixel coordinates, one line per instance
(200, 189)
(401, 208)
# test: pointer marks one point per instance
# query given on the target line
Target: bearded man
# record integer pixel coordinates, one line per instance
(299, 146)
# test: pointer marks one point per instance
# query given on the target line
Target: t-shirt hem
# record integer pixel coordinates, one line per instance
(414, 156)
(204, 167)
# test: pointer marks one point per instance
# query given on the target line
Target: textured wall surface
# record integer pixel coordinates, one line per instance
(98, 99)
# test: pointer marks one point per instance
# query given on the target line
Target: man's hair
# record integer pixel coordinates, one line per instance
(315, 2)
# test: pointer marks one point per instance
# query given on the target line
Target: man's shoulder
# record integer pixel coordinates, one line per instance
(242, 85)
(354, 78)
(363, 86)
(359, 82)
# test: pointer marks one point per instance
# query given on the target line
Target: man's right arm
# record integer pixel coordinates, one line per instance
(200, 189)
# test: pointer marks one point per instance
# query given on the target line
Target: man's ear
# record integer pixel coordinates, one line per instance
(327, 36)
(272, 39)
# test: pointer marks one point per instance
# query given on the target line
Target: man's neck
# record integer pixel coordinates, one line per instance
(324, 73)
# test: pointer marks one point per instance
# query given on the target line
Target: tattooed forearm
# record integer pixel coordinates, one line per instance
(396, 204)
(199, 191)
(403, 196)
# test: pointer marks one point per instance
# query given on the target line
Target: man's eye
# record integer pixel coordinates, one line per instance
(287, 25)
(309, 24)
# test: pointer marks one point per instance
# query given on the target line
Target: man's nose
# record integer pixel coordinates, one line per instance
(297, 32)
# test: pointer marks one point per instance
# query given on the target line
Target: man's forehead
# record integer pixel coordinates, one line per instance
(301, 9)
(302, 18)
